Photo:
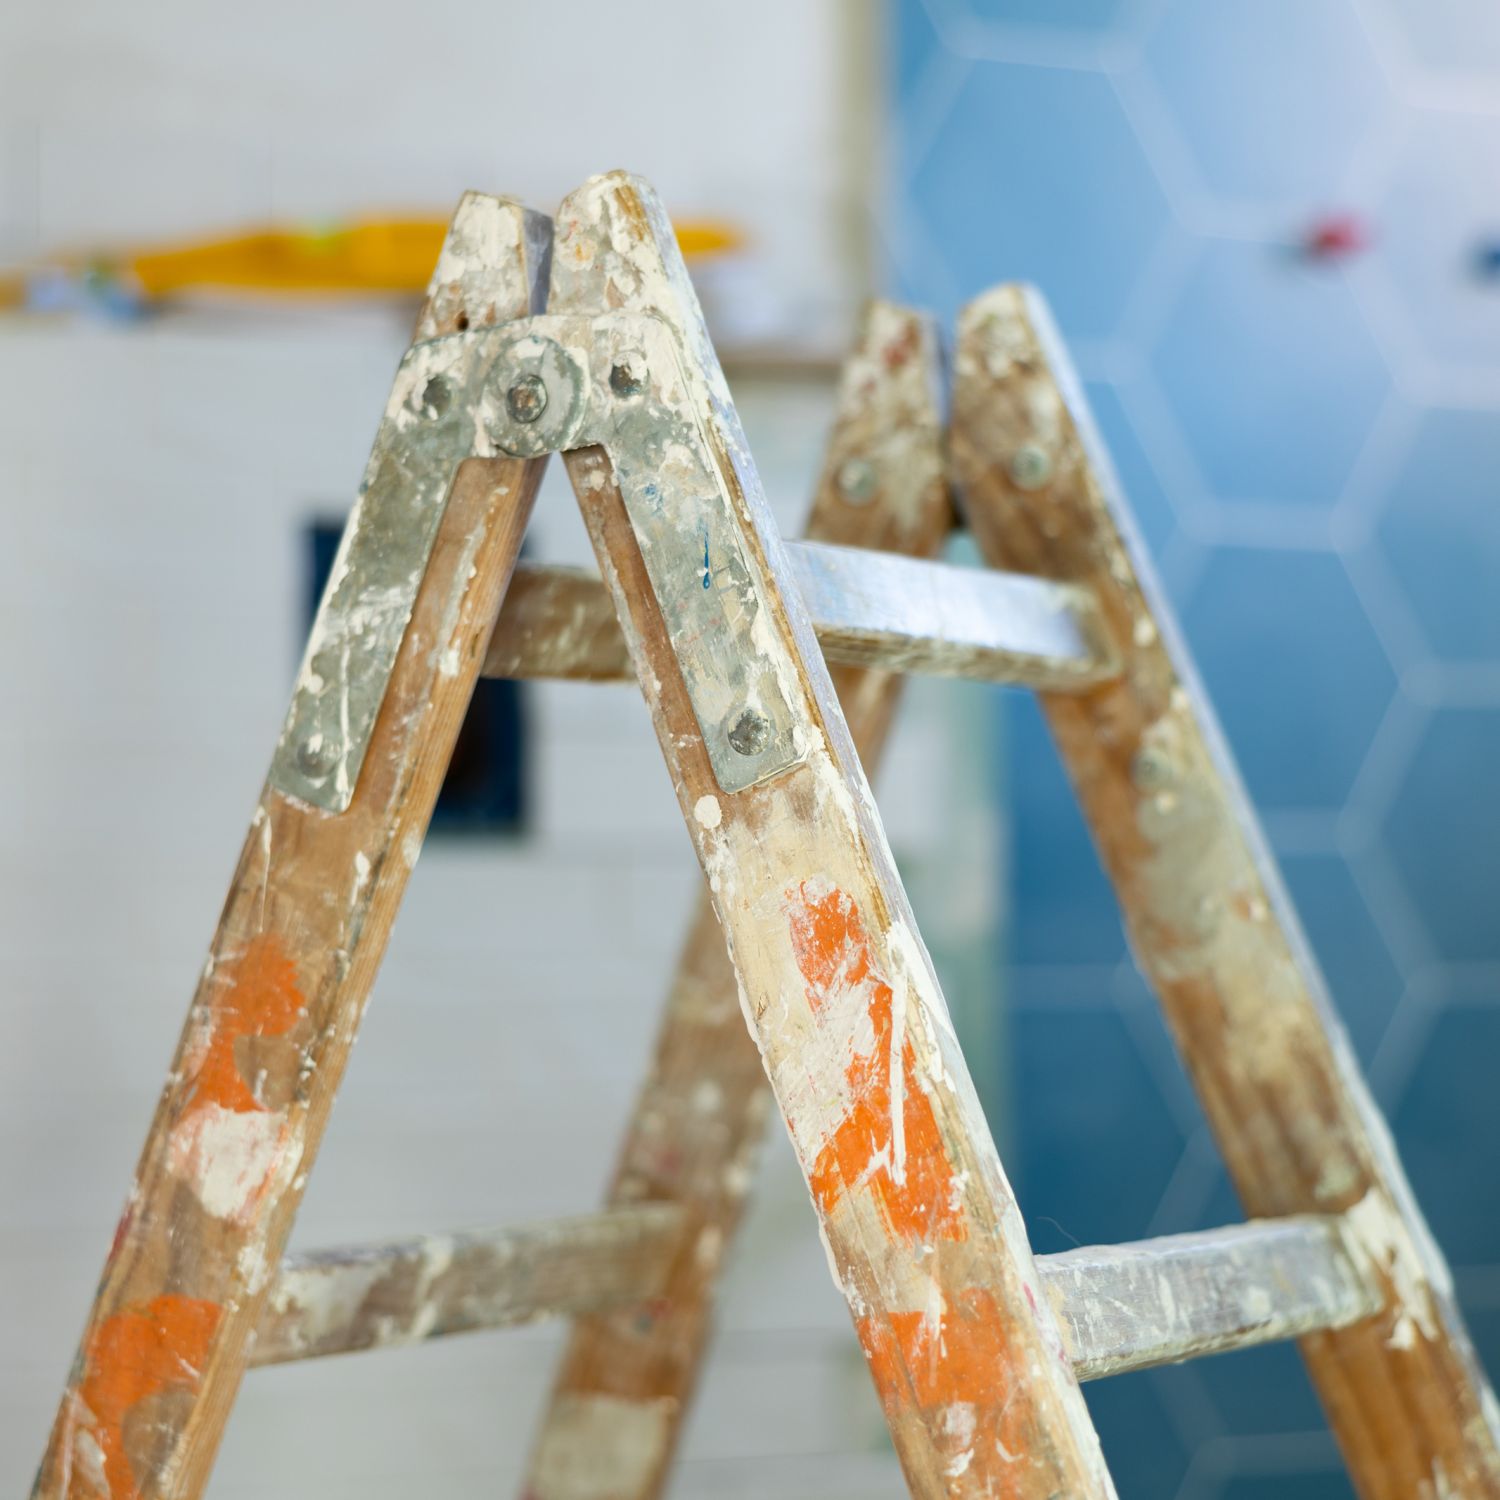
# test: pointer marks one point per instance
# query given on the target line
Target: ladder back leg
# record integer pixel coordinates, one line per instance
(628, 1374)
(1210, 923)
(301, 935)
(922, 1231)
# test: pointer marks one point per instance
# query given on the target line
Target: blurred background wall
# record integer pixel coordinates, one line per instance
(1269, 232)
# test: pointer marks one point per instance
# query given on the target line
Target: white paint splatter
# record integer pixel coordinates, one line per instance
(1379, 1242)
(227, 1156)
(707, 811)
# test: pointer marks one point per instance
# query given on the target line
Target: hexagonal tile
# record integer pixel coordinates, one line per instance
(1436, 210)
(1440, 531)
(1035, 175)
(911, 48)
(1058, 15)
(1449, 36)
(1363, 978)
(1330, 1483)
(1063, 908)
(1262, 1391)
(1144, 494)
(1271, 100)
(1484, 1328)
(1443, 831)
(1294, 670)
(1142, 1447)
(1271, 373)
(1446, 1125)
(1080, 1177)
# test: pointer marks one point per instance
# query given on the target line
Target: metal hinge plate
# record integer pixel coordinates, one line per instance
(616, 381)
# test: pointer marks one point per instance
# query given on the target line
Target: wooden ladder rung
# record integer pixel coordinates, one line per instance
(1121, 1307)
(869, 609)
(1128, 1307)
(382, 1296)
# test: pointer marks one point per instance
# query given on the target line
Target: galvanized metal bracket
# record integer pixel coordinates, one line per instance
(616, 381)
(444, 404)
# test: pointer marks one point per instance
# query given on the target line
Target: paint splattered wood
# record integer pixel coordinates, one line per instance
(1120, 1307)
(383, 1296)
(1128, 1307)
(270, 1029)
(923, 1234)
(699, 1119)
(1210, 923)
(868, 609)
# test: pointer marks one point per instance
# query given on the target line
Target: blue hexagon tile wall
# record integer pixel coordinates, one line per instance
(1312, 445)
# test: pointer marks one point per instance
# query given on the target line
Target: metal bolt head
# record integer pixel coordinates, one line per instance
(1030, 467)
(750, 732)
(856, 481)
(627, 376)
(526, 400)
(1150, 770)
(317, 756)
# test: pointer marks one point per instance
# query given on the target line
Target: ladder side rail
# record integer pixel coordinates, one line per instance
(923, 1233)
(700, 1118)
(298, 944)
(1210, 922)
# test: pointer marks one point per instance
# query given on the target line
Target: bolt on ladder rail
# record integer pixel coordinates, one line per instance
(975, 1346)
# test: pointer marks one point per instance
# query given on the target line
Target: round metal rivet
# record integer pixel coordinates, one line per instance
(526, 400)
(1030, 467)
(1150, 770)
(316, 756)
(856, 480)
(751, 733)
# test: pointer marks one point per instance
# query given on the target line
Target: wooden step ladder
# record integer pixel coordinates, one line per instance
(803, 966)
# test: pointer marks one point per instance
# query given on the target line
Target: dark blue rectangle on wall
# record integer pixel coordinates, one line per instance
(484, 791)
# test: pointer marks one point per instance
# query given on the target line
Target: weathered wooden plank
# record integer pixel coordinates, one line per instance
(868, 609)
(1209, 920)
(382, 1296)
(1120, 1307)
(1128, 1307)
(700, 1117)
(559, 623)
(923, 1234)
(279, 1001)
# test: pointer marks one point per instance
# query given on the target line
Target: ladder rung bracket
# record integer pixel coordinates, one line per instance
(869, 609)
(1128, 1307)
(383, 1296)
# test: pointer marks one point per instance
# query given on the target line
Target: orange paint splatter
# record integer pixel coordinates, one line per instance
(962, 1356)
(157, 1346)
(228, 1143)
(909, 1173)
(256, 994)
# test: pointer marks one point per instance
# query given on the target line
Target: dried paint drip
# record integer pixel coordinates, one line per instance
(150, 1351)
(229, 1140)
(888, 1138)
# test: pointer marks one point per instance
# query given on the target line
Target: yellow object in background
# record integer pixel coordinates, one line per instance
(366, 257)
